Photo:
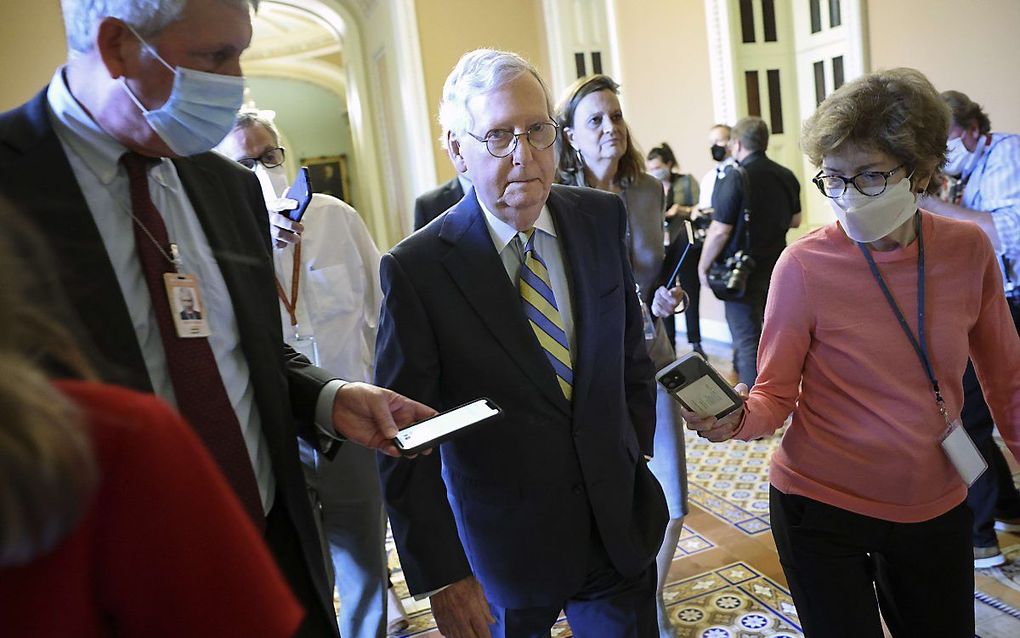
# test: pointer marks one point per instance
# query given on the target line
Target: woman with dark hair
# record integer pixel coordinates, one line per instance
(596, 150)
(114, 520)
(868, 327)
(682, 193)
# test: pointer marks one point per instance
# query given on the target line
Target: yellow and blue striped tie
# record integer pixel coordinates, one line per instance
(543, 314)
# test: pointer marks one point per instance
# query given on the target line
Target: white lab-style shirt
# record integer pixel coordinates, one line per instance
(339, 295)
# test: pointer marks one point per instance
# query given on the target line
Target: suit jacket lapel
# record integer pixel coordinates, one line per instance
(576, 229)
(476, 268)
(43, 185)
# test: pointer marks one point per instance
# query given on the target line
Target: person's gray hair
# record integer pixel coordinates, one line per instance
(249, 118)
(477, 73)
(147, 17)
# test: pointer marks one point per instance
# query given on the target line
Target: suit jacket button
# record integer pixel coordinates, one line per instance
(578, 489)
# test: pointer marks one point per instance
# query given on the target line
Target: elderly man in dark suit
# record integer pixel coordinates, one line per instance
(522, 293)
(110, 164)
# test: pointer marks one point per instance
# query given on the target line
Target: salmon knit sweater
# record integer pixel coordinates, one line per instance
(866, 430)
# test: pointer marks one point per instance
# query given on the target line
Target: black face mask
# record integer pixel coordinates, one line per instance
(718, 152)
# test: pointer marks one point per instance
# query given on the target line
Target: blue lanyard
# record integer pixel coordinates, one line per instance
(920, 347)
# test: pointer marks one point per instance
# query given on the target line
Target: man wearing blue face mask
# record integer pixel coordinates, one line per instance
(111, 163)
(987, 167)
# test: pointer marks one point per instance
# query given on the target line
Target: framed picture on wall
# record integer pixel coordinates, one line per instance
(329, 175)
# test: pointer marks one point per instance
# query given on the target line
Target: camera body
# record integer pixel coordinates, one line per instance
(740, 266)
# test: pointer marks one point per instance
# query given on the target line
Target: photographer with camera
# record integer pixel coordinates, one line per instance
(753, 206)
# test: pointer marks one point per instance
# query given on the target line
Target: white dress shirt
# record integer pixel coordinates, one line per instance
(95, 159)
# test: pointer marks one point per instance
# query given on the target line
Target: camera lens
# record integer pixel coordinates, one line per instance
(675, 380)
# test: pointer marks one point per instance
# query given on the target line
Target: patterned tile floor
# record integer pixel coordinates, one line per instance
(726, 581)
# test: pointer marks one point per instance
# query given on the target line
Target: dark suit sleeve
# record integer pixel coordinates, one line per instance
(304, 380)
(407, 361)
(638, 372)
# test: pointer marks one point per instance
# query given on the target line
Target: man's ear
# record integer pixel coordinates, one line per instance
(453, 148)
(116, 46)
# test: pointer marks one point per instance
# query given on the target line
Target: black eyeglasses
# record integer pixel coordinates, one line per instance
(270, 159)
(503, 142)
(869, 183)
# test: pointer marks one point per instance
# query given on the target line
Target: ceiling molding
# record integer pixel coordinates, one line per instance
(318, 73)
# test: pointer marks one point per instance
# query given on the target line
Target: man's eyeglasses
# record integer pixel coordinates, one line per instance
(869, 183)
(270, 159)
(503, 142)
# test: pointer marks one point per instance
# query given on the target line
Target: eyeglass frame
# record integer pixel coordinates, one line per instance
(847, 181)
(517, 140)
(283, 153)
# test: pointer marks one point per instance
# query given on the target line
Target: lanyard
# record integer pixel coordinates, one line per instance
(920, 347)
(295, 282)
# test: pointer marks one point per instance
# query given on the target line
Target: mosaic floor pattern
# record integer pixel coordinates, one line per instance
(730, 480)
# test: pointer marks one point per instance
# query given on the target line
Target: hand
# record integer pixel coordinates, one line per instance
(696, 213)
(283, 231)
(666, 302)
(716, 430)
(461, 610)
(371, 416)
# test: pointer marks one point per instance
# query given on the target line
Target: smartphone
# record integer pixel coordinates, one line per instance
(698, 387)
(300, 191)
(443, 427)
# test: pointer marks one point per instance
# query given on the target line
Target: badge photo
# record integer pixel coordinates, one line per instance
(186, 306)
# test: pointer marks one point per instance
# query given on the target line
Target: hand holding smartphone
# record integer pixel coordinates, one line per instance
(698, 387)
(301, 192)
(445, 426)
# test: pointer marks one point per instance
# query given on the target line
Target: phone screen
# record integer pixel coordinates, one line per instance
(705, 397)
(443, 424)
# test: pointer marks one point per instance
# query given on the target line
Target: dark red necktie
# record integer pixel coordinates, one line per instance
(201, 397)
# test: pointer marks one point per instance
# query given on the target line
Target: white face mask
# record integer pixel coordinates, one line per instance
(661, 174)
(956, 156)
(866, 219)
(273, 181)
(200, 110)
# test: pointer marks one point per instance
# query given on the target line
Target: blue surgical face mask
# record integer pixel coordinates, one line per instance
(200, 110)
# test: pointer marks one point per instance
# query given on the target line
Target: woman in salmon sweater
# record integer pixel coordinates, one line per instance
(868, 512)
(114, 519)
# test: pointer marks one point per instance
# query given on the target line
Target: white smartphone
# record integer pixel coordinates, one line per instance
(443, 427)
(698, 387)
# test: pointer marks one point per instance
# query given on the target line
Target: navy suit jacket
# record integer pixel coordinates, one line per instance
(525, 490)
(437, 201)
(36, 177)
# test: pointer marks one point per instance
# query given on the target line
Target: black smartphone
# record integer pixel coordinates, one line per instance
(698, 387)
(300, 191)
(445, 426)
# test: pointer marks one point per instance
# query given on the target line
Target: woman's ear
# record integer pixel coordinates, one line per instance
(569, 133)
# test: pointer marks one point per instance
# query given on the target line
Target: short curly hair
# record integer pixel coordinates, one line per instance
(896, 111)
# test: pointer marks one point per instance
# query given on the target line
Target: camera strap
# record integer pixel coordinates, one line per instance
(919, 344)
(745, 209)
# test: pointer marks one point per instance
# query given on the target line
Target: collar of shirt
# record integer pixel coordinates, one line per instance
(465, 183)
(99, 151)
(503, 233)
(724, 165)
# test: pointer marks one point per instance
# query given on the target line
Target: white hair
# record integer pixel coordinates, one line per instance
(147, 17)
(479, 72)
